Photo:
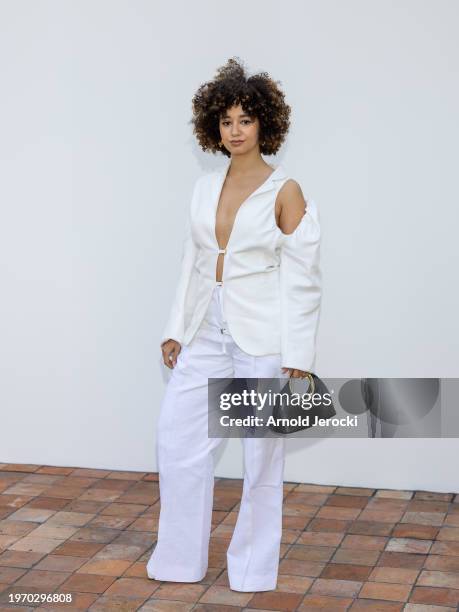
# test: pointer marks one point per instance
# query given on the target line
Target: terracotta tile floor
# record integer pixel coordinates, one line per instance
(90, 532)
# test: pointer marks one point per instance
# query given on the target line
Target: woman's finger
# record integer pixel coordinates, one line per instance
(168, 357)
(174, 356)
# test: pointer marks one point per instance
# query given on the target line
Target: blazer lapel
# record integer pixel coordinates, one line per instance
(218, 179)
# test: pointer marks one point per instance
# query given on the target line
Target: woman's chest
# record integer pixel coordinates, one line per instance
(234, 226)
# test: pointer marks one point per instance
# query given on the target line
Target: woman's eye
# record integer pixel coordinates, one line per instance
(244, 121)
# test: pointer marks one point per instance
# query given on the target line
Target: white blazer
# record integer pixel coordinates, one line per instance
(271, 281)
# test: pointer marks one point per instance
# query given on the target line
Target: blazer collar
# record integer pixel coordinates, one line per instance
(270, 183)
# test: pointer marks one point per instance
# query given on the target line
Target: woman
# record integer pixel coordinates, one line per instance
(247, 304)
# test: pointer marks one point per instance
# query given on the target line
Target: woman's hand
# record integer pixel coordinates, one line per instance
(170, 350)
(294, 373)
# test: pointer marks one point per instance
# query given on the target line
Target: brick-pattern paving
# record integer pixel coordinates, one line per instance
(90, 532)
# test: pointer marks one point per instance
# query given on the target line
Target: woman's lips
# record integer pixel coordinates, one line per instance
(236, 142)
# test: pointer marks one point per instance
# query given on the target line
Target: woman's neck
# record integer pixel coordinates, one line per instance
(247, 164)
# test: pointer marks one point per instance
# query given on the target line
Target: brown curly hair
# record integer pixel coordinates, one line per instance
(259, 97)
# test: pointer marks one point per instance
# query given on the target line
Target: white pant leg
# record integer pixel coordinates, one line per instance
(185, 459)
(186, 469)
(254, 550)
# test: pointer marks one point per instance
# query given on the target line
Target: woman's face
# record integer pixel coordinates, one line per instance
(238, 131)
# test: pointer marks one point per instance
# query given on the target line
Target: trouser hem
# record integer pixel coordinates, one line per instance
(255, 584)
(176, 575)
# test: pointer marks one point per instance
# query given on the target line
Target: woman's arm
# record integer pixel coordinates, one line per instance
(300, 278)
(175, 326)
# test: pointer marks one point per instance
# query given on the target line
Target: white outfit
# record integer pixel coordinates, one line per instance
(263, 317)
(271, 280)
(186, 467)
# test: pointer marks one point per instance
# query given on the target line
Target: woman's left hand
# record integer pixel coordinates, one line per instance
(294, 373)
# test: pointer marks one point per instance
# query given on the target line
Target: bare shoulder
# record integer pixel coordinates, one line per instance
(291, 206)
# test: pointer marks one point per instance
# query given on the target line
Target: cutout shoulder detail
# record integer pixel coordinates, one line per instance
(299, 222)
(293, 207)
(307, 231)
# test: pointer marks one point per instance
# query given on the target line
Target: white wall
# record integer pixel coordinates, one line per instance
(97, 164)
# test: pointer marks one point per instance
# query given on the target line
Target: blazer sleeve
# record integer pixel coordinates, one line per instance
(301, 291)
(175, 326)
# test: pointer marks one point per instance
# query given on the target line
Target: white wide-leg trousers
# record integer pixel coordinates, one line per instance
(186, 468)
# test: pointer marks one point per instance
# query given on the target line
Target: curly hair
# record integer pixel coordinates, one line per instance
(259, 97)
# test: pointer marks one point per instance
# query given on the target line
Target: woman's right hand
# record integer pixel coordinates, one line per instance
(170, 350)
